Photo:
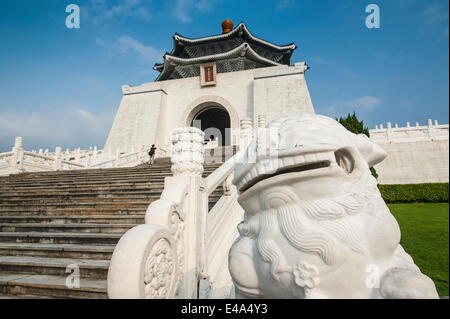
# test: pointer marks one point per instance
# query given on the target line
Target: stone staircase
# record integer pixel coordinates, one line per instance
(52, 223)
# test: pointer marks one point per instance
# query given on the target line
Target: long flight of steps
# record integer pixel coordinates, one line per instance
(53, 222)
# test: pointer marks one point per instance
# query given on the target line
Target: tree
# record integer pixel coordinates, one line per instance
(356, 126)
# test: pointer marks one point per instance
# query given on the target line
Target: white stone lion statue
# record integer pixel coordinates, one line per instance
(315, 224)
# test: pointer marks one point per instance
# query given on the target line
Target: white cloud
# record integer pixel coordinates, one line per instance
(284, 4)
(100, 42)
(204, 5)
(184, 9)
(100, 10)
(148, 53)
(362, 106)
(368, 103)
(70, 126)
(435, 19)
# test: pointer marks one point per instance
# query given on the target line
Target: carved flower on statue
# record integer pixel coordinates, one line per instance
(306, 275)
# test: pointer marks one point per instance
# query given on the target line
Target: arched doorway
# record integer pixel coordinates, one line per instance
(215, 122)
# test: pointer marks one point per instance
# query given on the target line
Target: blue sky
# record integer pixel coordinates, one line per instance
(61, 87)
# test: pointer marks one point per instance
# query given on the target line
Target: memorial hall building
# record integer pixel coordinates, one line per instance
(218, 83)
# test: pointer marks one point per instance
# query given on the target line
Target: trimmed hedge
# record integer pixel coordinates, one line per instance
(407, 193)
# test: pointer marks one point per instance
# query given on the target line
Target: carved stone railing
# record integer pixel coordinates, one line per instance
(221, 230)
(181, 250)
(165, 257)
(19, 160)
(430, 132)
(6, 159)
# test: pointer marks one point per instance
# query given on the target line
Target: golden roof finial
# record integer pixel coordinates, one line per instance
(227, 26)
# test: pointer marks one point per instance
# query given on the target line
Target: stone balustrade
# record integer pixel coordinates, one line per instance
(181, 251)
(416, 154)
(19, 160)
(431, 132)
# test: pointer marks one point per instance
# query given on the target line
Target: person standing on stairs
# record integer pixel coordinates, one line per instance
(151, 153)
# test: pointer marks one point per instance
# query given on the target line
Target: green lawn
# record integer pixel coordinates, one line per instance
(424, 229)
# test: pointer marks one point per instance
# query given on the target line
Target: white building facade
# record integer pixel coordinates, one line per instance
(221, 81)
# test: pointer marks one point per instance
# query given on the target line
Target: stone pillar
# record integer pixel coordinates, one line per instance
(389, 132)
(187, 168)
(17, 160)
(262, 122)
(77, 155)
(117, 160)
(187, 151)
(58, 159)
(431, 134)
(87, 162)
(246, 132)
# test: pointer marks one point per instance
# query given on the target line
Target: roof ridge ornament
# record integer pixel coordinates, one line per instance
(227, 26)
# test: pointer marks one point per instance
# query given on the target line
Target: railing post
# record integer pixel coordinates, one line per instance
(87, 163)
(262, 122)
(117, 159)
(139, 154)
(389, 132)
(77, 155)
(17, 159)
(58, 159)
(187, 168)
(431, 134)
(246, 132)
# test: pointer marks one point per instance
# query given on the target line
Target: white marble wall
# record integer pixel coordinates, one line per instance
(149, 112)
(137, 119)
(416, 154)
(281, 91)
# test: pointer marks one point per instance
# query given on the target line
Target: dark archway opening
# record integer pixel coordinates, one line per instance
(215, 122)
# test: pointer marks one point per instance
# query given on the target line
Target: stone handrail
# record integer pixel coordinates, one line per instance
(430, 132)
(69, 164)
(181, 250)
(222, 174)
(156, 259)
(6, 154)
(41, 156)
(102, 164)
(19, 160)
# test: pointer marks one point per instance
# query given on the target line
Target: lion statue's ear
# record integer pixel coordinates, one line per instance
(372, 152)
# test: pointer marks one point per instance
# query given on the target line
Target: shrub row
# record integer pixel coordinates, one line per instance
(407, 193)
